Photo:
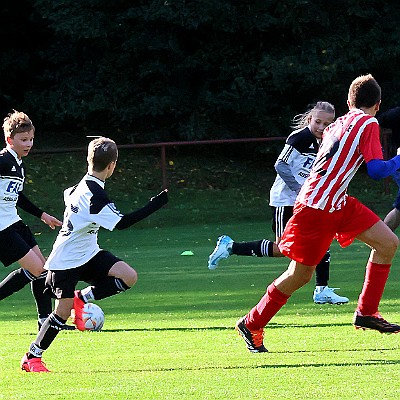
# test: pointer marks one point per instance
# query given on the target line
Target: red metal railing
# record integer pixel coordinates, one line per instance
(163, 146)
(385, 138)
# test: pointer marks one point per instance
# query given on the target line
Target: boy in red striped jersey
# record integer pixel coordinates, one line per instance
(324, 211)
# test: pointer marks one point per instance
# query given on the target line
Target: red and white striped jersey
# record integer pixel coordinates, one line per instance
(346, 143)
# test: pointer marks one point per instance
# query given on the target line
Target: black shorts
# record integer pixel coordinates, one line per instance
(63, 282)
(15, 243)
(280, 217)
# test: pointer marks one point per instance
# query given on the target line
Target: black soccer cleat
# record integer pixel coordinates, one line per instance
(375, 322)
(253, 339)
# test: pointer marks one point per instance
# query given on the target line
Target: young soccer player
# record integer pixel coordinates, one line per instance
(17, 244)
(391, 119)
(292, 166)
(76, 255)
(324, 211)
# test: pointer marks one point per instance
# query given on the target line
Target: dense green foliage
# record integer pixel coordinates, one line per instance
(174, 69)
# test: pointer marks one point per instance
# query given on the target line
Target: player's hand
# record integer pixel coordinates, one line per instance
(398, 151)
(51, 221)
(160, 199)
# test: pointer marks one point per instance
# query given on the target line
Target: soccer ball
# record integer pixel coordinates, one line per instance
(93, 317)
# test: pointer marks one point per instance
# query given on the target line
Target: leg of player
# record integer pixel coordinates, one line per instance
(32, 360)
(251, 326)
(31, 272)
(121, 277)
(226, 246)
(383, 243)
(392, 219)
(43, 300)
(323, 294)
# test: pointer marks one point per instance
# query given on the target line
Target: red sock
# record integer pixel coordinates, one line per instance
(267, 307)
(375, 279)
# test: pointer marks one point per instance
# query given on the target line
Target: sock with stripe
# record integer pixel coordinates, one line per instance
(14, 282)
(259, 248)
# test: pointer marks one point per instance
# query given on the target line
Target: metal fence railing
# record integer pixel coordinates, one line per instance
(385, 138)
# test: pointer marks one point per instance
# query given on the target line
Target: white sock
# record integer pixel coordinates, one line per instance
(87, 294)
(319, 289)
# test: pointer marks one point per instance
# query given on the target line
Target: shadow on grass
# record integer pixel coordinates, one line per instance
(205, 328)
(264, 366)
(222, 328)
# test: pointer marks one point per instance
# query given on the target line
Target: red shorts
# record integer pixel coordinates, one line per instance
(310, 232)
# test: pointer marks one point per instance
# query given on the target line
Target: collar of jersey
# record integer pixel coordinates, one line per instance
(14, 154)
(93, 178)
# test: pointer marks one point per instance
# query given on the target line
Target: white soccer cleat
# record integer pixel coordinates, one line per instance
(328, 296)
(222, 250)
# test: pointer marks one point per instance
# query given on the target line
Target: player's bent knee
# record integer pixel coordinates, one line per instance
(390, 245)
(130, 278)
(124, 272)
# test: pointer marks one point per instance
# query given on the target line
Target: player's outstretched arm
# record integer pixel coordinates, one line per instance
(152, 206)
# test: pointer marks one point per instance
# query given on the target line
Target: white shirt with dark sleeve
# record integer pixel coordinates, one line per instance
(293, 166)
(87, 208)
(12, 178)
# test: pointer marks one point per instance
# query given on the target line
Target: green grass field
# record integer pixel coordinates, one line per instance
(172, 336)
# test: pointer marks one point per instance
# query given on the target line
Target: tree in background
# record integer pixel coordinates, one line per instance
(176, 69)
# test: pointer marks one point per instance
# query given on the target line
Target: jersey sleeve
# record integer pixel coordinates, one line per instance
(102, 210)
(107, 216)
(370, 144)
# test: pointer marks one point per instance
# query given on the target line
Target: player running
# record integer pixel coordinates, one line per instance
(293, 167)
(324, 211)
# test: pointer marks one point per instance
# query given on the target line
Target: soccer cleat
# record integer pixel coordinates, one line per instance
(253, 339)
(328, 296)
(375, 322)
(76, 312)
(33, 364)
(222, 250)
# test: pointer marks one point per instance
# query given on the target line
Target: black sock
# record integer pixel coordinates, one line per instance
(108, 287)
(14, 282)
(43, 300)
(259, 248)
(322, 270)
(48, 332)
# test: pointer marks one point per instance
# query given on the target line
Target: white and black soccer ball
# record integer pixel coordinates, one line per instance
(93, 317)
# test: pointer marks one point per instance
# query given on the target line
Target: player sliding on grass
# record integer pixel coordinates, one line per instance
(293, 167)
(17, 244)
(76, 255)
(323, 211)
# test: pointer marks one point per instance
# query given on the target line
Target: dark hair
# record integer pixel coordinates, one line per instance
(101, 152)
(364, 91)
(17, 122)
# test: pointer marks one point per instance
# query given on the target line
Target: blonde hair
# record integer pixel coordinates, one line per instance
(17, 122)
(302, 120)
